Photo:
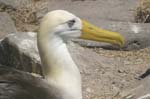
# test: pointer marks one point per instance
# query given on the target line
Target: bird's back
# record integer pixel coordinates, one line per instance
(15, 84)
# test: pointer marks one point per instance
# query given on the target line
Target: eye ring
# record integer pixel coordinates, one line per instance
(71, 23)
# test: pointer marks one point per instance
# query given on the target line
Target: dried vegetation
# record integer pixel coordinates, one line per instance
(143, 12)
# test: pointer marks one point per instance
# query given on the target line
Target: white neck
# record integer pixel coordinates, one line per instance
(58, 67)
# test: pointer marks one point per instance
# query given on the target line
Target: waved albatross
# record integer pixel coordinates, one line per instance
(62, 76)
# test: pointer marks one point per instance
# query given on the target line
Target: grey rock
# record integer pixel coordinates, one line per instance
(20, 51)
(94, 10)
(141, 91)
(6, 25)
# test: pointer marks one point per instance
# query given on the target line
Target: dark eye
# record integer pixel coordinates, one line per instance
(71, 23)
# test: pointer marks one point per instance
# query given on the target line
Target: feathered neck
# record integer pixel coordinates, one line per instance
(58, 67)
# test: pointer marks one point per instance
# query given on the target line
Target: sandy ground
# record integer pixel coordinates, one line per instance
(108, 73)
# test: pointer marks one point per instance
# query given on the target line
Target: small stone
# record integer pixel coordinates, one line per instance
(88, 90)
(120, 71)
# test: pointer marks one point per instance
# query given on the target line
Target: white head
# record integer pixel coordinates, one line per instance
(66, 25)
(61, 23)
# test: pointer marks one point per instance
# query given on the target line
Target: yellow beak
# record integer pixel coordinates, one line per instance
(91, 32)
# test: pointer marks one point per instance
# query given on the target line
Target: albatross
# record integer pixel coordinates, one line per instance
(62, 79)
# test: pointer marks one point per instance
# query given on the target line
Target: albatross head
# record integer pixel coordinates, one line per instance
(66, 25)
(58, 66)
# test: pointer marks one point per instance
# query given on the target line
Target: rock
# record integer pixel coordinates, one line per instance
(94, 10)
(20, 51)
(6, 25)
(141, 91)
